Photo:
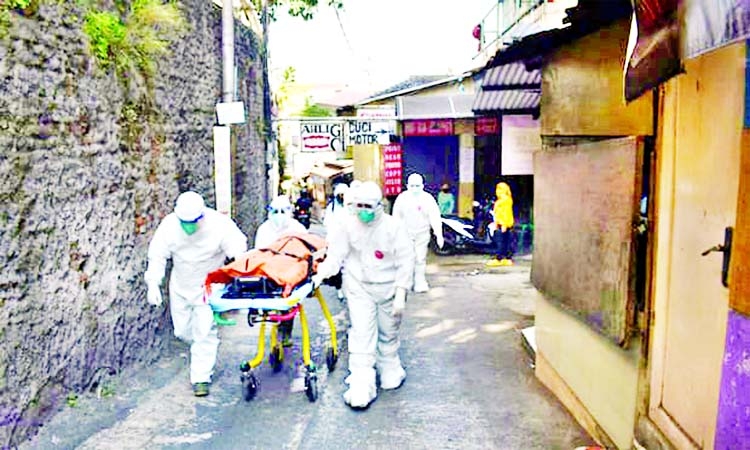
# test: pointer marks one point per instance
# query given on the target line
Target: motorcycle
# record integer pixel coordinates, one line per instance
(462, 235)
(302, 214)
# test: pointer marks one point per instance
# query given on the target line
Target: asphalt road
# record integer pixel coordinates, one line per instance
(470, 385)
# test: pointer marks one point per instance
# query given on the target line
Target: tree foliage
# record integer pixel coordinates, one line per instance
(298, 8)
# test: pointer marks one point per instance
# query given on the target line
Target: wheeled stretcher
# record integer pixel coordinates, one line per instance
(267, 301)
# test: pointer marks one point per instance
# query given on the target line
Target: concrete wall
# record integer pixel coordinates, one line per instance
(80, 200)
(594, 378)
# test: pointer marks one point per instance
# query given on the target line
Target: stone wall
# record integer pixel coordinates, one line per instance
(79, 200)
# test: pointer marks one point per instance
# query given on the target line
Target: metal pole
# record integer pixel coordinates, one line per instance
(227, 47)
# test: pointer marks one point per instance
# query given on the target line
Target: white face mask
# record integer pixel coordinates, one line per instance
(279, 220)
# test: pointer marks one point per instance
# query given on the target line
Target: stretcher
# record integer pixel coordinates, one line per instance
(268, 302)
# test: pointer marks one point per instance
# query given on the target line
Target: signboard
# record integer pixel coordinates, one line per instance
(428, 127)
(377, 112)
(521, 138)
(484, 126)
(364, 132)
(392, 169)
(322, 136)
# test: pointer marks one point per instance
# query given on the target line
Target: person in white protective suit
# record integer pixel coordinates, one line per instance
(279, 223)
(198, 239)
(335, 213)
(378, 257)
(419, 211)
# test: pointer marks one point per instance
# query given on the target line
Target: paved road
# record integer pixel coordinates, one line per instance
(470, 385)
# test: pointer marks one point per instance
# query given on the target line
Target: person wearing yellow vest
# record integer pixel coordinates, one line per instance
(500, 228)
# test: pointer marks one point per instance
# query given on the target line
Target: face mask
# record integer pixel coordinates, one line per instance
(366, 215)
(278, 219)
(189, 227)
(446, 190)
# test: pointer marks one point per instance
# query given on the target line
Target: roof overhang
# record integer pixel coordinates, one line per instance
(509, 89)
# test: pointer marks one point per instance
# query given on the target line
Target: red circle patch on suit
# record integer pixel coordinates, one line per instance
(379, 254)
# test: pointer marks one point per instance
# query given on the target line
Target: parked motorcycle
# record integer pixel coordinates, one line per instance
(462, 235)
(302, 214)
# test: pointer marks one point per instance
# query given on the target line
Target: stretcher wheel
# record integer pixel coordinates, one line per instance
(311, 387)
(250, 385)
(276, 359)
(331, 359)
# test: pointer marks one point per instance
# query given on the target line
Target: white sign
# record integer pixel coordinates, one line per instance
(232, 112)
(367, 132)
(466, 165)
(223, 169)
(322, 136)
(521, 137)
(377, 112)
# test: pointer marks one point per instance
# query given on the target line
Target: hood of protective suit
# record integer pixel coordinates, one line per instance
(502, 190)
(189, 206)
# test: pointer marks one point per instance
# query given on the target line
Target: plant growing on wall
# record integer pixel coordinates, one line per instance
(6, 6)
(297, 8)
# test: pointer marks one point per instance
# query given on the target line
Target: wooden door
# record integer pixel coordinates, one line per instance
(701, 114)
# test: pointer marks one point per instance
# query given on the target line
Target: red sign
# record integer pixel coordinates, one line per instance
(428, 127)
(392, 169)
(486, 125)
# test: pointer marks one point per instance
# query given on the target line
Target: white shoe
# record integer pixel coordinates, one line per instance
(421, 287)
(392, 378)
(360, 395)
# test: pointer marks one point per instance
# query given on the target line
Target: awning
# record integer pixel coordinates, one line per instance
(332, 169)
(509, 89)
(434, 107)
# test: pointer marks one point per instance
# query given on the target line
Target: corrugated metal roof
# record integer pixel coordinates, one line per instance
(511, 75)
(509, 88)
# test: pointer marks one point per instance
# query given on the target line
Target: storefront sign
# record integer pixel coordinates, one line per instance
(392, 169)
(521, 138)
(322, 136)
(429, 127)
(484, 126)
(364, 132)
(377, 112)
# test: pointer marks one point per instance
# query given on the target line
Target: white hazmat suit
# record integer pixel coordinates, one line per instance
(419, 211)
(279, 223)
(378, 258)
(197, 239)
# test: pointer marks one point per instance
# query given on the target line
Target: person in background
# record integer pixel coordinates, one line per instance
(419, 211)
(446, 200)
(336, 211)
(279, 223)
(198, 240)
(377, 256)
(303, 208)
(501, 226)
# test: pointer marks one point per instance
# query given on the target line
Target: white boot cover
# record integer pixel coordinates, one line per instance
(362, 390)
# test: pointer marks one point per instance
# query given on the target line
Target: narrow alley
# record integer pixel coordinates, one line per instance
(470, 385)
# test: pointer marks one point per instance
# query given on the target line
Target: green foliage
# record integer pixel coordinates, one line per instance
(72, 400)
(132, 39)
(315, 110)
(298, 8)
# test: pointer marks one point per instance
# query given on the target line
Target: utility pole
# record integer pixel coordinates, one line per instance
(228, 111)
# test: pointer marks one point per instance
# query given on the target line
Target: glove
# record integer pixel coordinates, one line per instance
(439, 240)
(492, 227)
(399, 302)
(317, 280)
(153, 296)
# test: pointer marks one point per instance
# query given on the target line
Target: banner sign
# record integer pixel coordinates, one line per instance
(429, 127)
(653, 54)
(322, 136)
(363, 132)
(392, 169)
(484, 126)
(713, 23)
(521, 138)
